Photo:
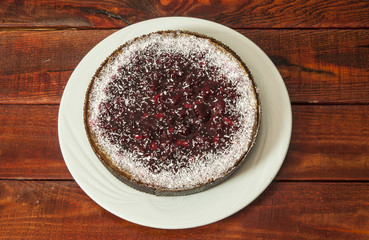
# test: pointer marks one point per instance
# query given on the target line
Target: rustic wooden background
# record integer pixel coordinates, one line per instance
(321, 48)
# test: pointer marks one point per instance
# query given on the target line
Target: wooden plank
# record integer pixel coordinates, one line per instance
(39, 63)
(117, 14)
(318, 66)
(29, 146)
(328, 143)
(59, 210)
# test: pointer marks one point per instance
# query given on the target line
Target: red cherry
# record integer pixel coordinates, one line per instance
(153, 146)
(182, 143)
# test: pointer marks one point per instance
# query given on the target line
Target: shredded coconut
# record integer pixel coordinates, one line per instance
(201, 167)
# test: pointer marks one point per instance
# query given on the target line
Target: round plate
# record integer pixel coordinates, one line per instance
(194, 210)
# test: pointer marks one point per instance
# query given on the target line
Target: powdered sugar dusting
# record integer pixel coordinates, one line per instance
(187, 166)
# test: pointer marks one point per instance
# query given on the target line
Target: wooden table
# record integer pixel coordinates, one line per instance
(321, 49)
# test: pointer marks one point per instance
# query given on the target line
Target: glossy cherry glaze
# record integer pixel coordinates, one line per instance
(176, 107)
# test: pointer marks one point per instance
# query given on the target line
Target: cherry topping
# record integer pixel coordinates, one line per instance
(166, 106)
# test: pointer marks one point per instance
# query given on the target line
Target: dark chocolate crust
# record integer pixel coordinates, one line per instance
(124, 176)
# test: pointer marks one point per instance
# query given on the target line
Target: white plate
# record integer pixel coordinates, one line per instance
(188, 211)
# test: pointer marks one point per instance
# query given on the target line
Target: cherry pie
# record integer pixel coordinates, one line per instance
(172, 113)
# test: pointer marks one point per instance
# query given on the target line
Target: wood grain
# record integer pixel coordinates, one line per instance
(318, 66)
(60, 210)
(38, 64)
(328, 143)
(235, 14)
(29, 146)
